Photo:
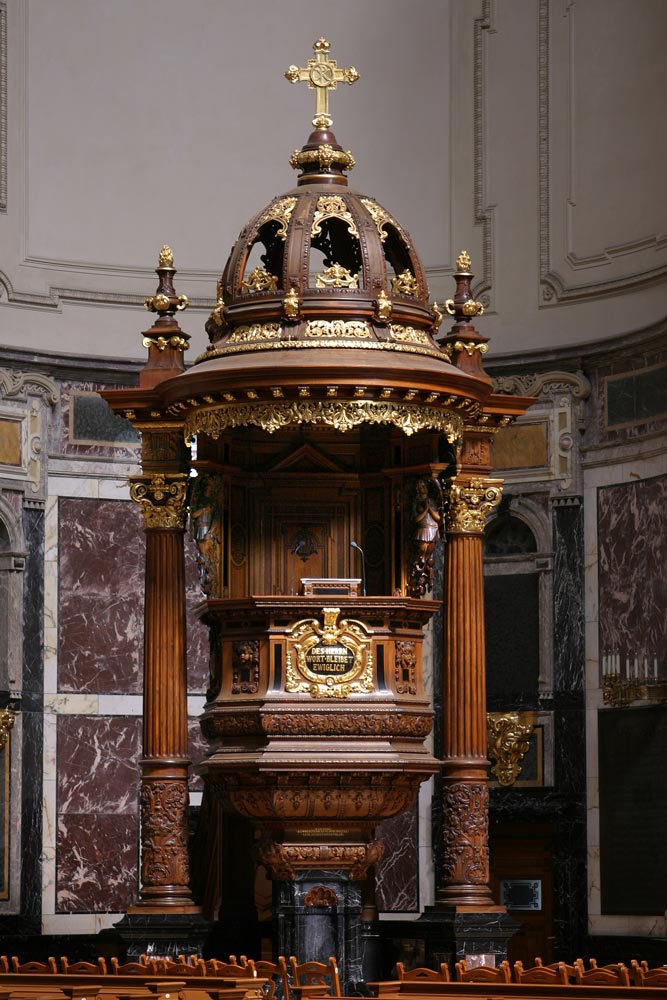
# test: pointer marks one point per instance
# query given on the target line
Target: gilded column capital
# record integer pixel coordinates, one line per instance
(6, 724)
(162, 499)
(470, 502)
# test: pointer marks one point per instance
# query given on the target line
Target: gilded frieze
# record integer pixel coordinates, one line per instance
(408, 334)
(340, 414)
(338, 328)
(258, 331)
(336, 276)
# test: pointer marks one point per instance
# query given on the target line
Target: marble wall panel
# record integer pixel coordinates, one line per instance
(97, 810)
(62, 443)
(96, 862)
(568, 592)
(98, 764)
(644, 420)
(396, 874)
(632, 541)
(197, 639)
(197, 748)
(101, 596)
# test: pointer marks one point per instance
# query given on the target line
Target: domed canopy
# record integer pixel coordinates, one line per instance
(323, 313)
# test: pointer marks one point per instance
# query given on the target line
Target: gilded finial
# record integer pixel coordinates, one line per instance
(463, 261)
(166, 258)
(322, 75)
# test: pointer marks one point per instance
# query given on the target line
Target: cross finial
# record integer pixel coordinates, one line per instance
(322, 75)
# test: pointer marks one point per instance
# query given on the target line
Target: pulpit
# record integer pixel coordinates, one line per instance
(323, 448)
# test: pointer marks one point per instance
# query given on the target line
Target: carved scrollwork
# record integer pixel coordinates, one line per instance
(405, 667)
(348, 724)
(465, 833)
(162, 499)
(332, 207)
(284, 860)
(164, 858)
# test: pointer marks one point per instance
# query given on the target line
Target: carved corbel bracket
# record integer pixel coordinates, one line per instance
(508, 735)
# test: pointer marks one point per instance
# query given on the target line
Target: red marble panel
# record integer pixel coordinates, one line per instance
(197, 639)
(96, 862)
(98, 764)
(396, 874)
(632, 541)
(101, 551)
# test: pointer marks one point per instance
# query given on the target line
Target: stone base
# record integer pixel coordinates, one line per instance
(464, 932)
(164, 935)
(318, 915)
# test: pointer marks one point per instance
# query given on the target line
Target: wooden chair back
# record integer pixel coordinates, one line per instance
(604, 975)
(40, 968)
(165, 967)
(147, 968)
(643, 976)
(423, 974)
(214, 967)
(275, 973)
(316, 974)
(483, 973)
(541, 974)
(98, 968)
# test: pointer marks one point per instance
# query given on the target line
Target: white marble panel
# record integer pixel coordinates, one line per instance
(74, 486)
(196, 705)
(51, 595)
(51, 530)
(48, 880)
(50, 659)
(115, 489)
(49, 747)
(72, 704)
(120, 704)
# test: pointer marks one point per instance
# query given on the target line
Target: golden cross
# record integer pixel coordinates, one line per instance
(322, 75)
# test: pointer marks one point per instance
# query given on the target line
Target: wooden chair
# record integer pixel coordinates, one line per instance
(274, 973)
(147, 968)
(35, 968)
(241, 960)
(570, 970)
(4, 963)
(98, 968)
(422, 974)
(316, 974)
(214, 967)
(541, 974)
(643, 976)
(483, 973)
(605, 975)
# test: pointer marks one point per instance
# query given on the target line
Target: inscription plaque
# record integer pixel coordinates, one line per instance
(329, 660)
(326, 660)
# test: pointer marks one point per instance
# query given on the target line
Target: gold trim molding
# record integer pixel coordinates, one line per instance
(470, 504)
(161, 498)
(340, 414)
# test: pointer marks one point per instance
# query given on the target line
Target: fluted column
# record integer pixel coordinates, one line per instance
(165, 872)
(465, 849)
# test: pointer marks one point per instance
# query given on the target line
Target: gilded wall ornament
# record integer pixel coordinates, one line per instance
(329, 660)
(337, 328)
(332, 206)
(259, 281)
(508, 740)
(336, 276)
(162, 499)
(339, 414)
(7, 717)
(470, 504)
(166, 258)
(405, 284)
(463, 262)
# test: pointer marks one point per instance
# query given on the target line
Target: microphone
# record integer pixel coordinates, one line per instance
(353, 545)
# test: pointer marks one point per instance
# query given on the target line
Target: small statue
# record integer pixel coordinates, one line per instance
(206, 528)
(428, 526)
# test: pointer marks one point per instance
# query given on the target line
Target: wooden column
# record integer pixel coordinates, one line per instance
(465, 848)
(165, 873)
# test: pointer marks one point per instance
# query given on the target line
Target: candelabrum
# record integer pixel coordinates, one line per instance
(626, 679)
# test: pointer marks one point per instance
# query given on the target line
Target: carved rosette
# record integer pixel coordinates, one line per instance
(164, 855)
(470, 504)
(161, 498)
(465, 857)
